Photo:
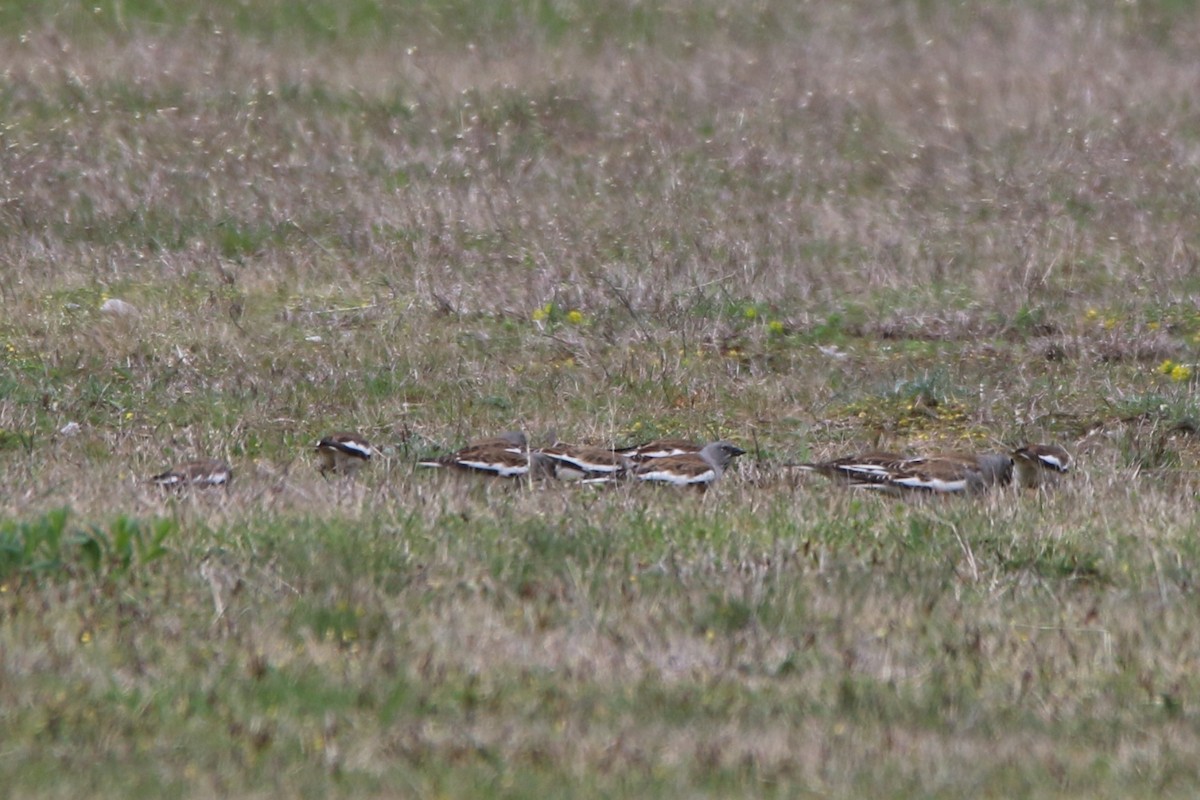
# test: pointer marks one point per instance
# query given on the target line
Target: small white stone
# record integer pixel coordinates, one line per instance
(70, 429)
(313, 338)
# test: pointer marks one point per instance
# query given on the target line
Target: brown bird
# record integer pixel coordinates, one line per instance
(950, 473)
(343, 453)
(506, 456)
(873, 465)
(1040, 463)
(700, 469)
(944, 474)
(582, 462)
(202, 473)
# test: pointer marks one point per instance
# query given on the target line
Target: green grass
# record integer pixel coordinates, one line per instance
(809, 229)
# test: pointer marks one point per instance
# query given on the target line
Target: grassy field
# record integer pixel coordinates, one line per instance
(806, 227)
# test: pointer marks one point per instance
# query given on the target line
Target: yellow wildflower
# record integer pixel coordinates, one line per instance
(1166, 367)
(1181, 372)
(1092, 313)
(543, 313)
(775, 327)
(575, 316)
(750, 312)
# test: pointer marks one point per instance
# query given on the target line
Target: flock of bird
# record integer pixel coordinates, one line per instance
(677, 462)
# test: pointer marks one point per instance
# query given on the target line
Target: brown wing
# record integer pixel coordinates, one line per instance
(348, 444)
(873, 466)
(580, 462)
(659, 448)
(202, 472)
(683, 470)
(494, 459)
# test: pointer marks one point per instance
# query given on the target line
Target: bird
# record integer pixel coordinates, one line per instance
(947, 473)
(583, 462)
(1038, 464)
(659, 448)
(700, 469)
(343, 453)
(868, 466)
(201, 473)
(506, 456)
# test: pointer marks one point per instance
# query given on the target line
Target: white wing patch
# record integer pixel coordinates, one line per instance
(867, 470)
(1053, 462)
(355, 449)
(664, 453)
(932, 484)
(206, 478)
(582, 465)
(504, 470)
(677, 479)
